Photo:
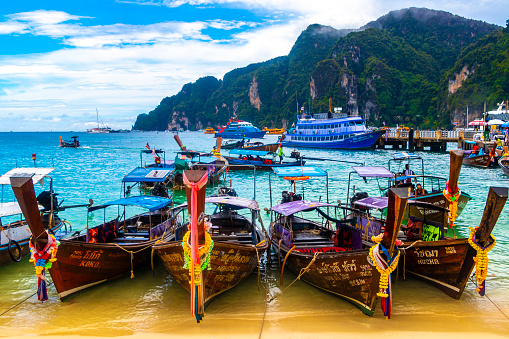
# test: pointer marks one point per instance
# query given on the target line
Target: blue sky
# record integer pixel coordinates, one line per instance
(62, 59)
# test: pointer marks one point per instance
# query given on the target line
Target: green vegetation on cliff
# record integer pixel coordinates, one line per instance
(396, 69)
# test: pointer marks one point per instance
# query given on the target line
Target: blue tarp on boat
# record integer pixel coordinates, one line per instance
(248, 152)
(147, 174)
(149, 202)
(302, 171)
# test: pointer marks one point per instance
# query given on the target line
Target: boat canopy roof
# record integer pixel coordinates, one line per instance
(248, 152)
(373, 172)
(300, 171)
(157, 151)
(150, 202)
(382, 202)
(405, 156)
(147, 174)
(11, 208)
(229, 201)
(207, 160)
(36, 173)
(292, 207)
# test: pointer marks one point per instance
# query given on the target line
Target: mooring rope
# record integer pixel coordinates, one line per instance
(132, 255)
(501, 311)
(22, 301)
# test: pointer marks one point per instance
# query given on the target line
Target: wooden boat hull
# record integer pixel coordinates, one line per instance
(445, 264)
(230, 265)
(478, 161)
(81, 265)
(266, 147)
(436, 199)
(348, 275)
(504, 165)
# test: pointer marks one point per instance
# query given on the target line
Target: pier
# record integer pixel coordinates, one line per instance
(435, 141)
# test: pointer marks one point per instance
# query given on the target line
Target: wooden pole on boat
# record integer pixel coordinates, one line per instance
(196, 184)
(179, 142)
(455, 168)
(218, 143)
(23, 188)
(398, 198)
(495, 202)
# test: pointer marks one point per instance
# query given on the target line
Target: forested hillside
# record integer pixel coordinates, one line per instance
(397, 69)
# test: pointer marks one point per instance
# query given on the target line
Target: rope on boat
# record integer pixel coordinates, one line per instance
(475, 283)
(132, 255)
(403, 250)
(22, 301)
(302, 272)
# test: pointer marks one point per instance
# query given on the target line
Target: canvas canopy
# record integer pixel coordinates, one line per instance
(11, 208)
(495, 122)
(36, 173)
(477, 123)
(405, 155)
(302, 171)
(229, 201)
(382, 202)
(150, 174)
(289, 208)
(149, 202)
(373, 172)
(248, 152)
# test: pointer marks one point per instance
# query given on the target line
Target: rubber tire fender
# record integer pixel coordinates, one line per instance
(18, 259)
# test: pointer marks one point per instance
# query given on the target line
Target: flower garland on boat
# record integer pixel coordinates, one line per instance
(481, 260)
(452, 197)
(385, 269)
(204, 251)
(43, 260)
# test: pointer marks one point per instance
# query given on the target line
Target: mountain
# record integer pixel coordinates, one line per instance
(390, 70)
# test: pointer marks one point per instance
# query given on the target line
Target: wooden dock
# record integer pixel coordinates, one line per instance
(436, 141)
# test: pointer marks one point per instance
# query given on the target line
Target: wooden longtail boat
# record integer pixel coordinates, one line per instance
(334, 259)
(73, 143)
(254, 146)
(107, 251)
(504, 165)
(483, 160)
(442, 261)
(237, 244)
(432, 188)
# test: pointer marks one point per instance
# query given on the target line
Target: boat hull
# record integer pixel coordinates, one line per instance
(267, 147)
(348, 275)
(437, 199)
(478, 161)
(81, 265)
(236, 135)
(362, 140)
(504, 165)
(445, 264)
(230, 264)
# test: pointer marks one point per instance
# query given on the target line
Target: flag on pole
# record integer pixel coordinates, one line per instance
(147, 146)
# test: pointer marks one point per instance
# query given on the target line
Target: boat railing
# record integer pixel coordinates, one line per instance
(325, 116)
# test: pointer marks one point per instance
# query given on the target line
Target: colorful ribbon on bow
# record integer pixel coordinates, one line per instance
(43, 260)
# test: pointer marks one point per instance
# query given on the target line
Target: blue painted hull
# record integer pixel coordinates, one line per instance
(236, 135)
(365, 140)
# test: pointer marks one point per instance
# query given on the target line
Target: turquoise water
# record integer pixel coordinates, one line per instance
(154, 303)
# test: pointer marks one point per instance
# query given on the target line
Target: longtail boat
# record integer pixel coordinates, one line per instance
(332, 256)
(483, 160)
(444, 262)
(215, 255)
(432, 187)
(504, 165)
(14, 233)
(254, 146)
(244, 159)
(73, 143)
(105, 252)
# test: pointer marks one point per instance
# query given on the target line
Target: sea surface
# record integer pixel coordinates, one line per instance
(153, 303)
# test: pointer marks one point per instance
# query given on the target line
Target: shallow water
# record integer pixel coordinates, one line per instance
(153, 303)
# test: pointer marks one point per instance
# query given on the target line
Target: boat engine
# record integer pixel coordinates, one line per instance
(44, 199)
(358, 196)
(290, 196)
(227, 191)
